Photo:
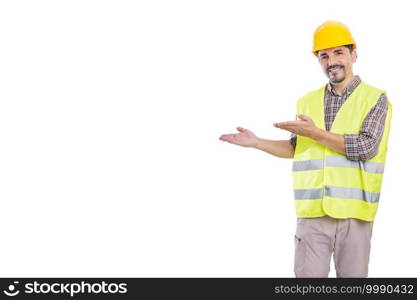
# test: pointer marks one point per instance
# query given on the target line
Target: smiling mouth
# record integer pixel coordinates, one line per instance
(334, 69)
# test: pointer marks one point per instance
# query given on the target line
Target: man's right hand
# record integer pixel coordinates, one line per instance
(245, 138)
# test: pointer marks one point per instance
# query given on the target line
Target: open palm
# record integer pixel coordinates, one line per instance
(245, 138)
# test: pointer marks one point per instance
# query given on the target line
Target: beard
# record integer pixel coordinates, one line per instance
(336, 74)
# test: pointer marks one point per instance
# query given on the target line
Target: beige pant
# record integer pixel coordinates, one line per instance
(316, 239)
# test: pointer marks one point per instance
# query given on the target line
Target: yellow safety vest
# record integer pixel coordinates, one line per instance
(325, 181)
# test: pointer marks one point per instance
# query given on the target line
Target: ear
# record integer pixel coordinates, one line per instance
(354, 55)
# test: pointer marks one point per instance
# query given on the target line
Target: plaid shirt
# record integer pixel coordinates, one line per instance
(365, 145)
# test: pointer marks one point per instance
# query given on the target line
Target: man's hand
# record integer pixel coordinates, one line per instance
(245, 138)
(305, 126)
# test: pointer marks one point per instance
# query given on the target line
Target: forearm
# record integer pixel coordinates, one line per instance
(331, 140)
(281, 148)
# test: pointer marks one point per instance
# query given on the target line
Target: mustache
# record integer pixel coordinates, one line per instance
(334, 66)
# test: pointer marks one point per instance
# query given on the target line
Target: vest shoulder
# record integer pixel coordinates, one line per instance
(312, 94)
(373, 93)
(372, 88)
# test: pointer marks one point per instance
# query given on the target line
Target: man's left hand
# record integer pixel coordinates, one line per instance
(305, 126)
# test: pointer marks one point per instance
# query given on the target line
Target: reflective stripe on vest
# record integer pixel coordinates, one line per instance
(305, 194)
(337, 161)
(336, 192)
(307, 165)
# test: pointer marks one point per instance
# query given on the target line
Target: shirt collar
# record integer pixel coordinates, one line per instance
(349, 89)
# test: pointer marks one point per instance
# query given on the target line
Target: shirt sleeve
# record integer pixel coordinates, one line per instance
(293, 140)
(365, 145)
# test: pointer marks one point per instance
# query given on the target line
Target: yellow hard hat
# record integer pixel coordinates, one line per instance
(331, 34)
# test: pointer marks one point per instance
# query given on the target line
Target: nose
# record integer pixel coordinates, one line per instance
(331, 61)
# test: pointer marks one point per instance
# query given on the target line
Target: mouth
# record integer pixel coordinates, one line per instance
(334, 69)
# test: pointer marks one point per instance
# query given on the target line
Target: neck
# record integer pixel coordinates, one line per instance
(341, 86)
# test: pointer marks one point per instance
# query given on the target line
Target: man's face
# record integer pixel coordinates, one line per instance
(337, 63)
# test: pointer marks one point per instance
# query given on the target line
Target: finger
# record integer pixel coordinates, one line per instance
(277, 124)
(290, 129)
(304, 117)
(227, 137)
(240, 129)
(223, 137)
(288, 123)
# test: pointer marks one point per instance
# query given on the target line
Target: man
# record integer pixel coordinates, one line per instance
(339, 145)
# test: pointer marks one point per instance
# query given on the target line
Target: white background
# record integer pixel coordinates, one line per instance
(110, 114)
